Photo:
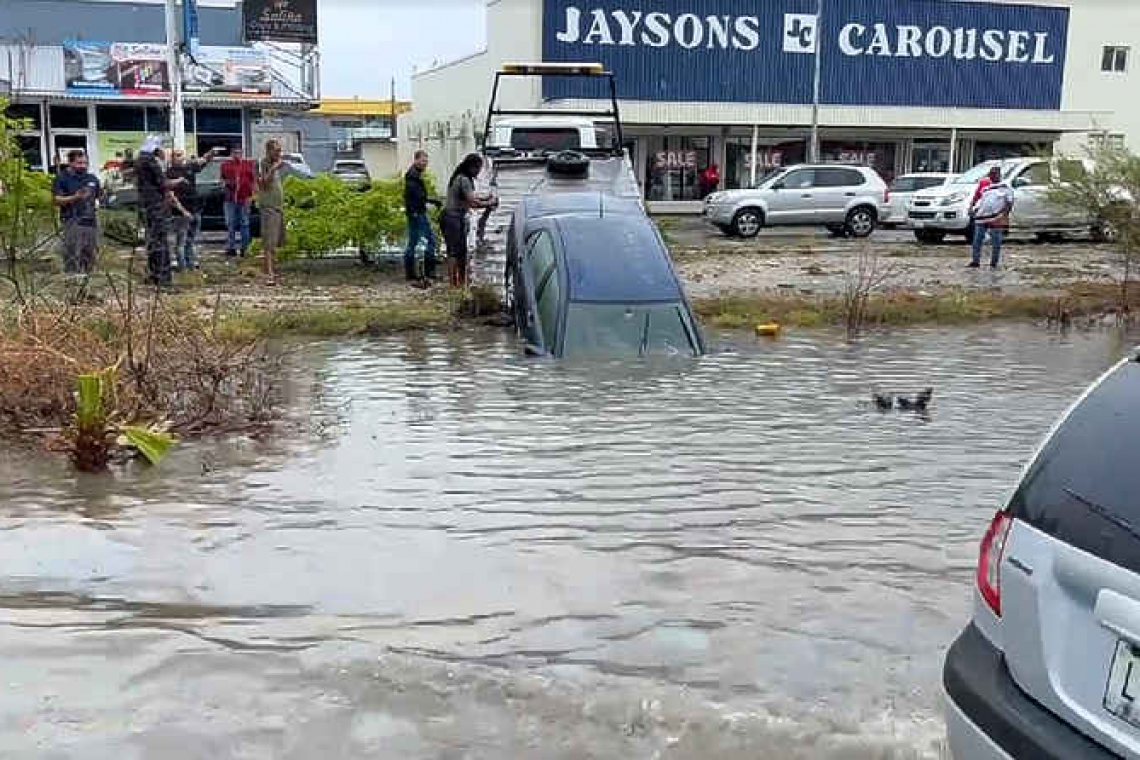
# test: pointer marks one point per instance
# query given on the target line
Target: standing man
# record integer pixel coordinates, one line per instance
(240, 184)
(74, 191)
(156, 197)
(416, 201)
(271, 202)
(188, 222)
(990, 212)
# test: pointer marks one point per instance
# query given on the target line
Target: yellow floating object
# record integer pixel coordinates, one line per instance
(769, 330)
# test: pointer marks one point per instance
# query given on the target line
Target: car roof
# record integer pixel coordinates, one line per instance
(831, 166)
(585, 203)
(938, 175)
(616, 259)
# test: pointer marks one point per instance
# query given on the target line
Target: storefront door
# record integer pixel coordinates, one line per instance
(62, 142)
(931, 157)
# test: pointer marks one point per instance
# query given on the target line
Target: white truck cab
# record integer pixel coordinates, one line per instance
(539, 134)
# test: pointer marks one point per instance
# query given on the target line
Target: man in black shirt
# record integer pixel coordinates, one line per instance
(155, 197)
(416, 201)
(74, 192)
(187, 222)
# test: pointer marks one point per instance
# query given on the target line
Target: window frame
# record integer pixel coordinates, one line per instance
(539, 281)
(852, 174)
(783, 181)
(1114, 59)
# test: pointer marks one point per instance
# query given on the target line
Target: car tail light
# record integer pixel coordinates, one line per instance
(989, 560)
(887, 195)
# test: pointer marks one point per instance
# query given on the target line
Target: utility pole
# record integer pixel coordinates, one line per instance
(174, 74)
(813, 153)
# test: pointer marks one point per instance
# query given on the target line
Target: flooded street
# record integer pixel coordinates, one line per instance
(472, 555)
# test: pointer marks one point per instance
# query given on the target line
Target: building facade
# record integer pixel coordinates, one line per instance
(903, 85)
(92, 74)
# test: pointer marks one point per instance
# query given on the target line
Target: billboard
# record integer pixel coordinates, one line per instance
(115, 67)
(280, 20)
(126, 69)
(872, 52)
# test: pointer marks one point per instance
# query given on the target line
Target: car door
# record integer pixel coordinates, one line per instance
(540, 269)
(791, 199)
(1030, 190)
(834, 188)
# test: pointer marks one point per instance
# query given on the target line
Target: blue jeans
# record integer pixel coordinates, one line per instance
(237, 217)
(419, 228)
(996, 235)
(186, 231)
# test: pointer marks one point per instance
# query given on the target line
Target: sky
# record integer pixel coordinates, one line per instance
(364, 43)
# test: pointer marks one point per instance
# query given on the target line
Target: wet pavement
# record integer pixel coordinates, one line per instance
(808, 260)
(466, 554)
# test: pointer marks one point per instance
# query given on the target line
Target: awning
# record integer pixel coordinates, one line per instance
(213, 100)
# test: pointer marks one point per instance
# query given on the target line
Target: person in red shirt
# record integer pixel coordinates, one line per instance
(710, 180)
(240, 184)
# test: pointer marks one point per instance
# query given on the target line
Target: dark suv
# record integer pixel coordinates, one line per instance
(1049, 667)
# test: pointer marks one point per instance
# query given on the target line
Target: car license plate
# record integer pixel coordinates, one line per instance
(918, 224)
(1122, 695)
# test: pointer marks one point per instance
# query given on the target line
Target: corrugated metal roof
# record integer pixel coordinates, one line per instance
(29, 67)
(51, 22)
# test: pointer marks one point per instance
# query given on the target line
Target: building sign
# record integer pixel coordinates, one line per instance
(229, 69)
(133, 69)
(872, 52)
(280, 20)
(115, 68)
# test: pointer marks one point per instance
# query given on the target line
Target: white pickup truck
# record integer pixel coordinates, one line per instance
(937, 212)
(544, 151)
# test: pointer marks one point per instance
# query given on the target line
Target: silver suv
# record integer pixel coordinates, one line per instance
(848, 200)
(1049, 668)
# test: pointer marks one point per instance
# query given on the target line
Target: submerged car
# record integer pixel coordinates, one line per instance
(1049, 666)
(588, 275)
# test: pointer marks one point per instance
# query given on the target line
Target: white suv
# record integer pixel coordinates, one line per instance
(846, 199)
(934, 214)
(1049, 667)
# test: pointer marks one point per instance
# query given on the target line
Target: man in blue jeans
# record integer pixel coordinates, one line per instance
(990, 210)
(240, 184)
(416, 201)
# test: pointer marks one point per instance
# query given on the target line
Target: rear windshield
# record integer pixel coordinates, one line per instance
(911, 184)
(1084, 488)
(636, 330)
(545, 139)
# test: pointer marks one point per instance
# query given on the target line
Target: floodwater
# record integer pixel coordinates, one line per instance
(471, 555)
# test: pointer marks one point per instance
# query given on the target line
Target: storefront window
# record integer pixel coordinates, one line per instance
(30, 112)
(30, 148)
(992, 151)
(218, 127)
(931, 157)
(880, 156)
(69, 117)
(120, 119)
(770, 155)
(676, 169)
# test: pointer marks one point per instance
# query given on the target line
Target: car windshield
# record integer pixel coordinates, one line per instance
(349, 168)
(596, 329)
(974, 176)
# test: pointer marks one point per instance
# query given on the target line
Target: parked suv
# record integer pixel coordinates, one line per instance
(1049, 668)
(845, 199)
(903, 189)
(942, 211)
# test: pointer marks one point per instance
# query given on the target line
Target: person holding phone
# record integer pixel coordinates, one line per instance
(75, 191)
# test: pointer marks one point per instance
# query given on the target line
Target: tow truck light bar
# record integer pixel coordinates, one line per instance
(539, 69)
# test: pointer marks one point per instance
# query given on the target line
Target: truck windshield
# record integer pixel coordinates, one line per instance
(617, 329)
(551, 139)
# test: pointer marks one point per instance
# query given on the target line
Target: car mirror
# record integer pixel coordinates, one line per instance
(778, 186)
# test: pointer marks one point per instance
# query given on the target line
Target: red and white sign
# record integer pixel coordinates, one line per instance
(676, 159)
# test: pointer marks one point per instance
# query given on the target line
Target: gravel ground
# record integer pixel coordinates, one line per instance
(807, 260)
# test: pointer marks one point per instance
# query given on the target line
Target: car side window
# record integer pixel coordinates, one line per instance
(1035, 175)
(540, 256)
(838, 177)
(799, 179)
(548, 299)
(1071, 171)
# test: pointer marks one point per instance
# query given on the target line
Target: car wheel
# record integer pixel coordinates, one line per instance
(836, 230)
(747, 222)
(1050, 237)
(930, 236)
(861, 222)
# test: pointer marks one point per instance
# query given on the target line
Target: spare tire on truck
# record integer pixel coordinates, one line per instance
(569, 163)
